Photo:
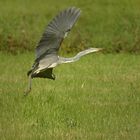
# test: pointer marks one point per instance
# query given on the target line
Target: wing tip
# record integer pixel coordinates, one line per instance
(74, 9)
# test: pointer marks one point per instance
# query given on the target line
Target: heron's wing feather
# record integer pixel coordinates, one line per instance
(56, 31)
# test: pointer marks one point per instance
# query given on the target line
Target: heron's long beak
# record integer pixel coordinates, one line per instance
(97, 49)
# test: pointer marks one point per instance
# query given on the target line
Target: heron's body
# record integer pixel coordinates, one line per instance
(47, 49)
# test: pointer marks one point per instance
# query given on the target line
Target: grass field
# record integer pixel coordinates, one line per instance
(111, 24)
(96, 98)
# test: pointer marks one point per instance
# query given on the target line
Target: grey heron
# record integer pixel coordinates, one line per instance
(47, 49)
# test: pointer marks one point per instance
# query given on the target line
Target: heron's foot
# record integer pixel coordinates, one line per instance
(26, 92)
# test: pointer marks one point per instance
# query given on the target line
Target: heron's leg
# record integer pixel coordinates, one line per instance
(29, 86)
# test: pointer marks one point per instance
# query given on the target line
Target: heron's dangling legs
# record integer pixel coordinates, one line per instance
(29, 86)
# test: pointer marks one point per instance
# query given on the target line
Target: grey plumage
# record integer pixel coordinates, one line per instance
(56, 31)
(47, 49)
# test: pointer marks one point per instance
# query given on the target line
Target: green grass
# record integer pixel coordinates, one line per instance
(96, 98)
(110, 24)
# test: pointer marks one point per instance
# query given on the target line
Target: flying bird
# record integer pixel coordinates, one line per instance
(47, 49)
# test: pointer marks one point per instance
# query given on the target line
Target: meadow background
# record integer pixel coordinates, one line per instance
(97, 97)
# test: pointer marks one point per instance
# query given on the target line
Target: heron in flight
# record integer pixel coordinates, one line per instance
(47, 49)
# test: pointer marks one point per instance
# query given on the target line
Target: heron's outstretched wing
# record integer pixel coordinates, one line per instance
(56, 31)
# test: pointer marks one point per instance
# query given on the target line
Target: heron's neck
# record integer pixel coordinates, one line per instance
(68, 60)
